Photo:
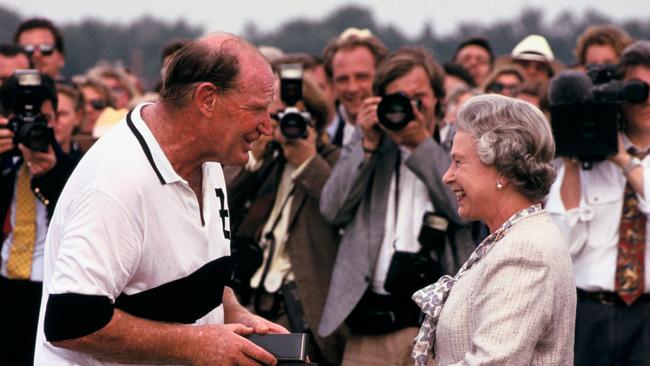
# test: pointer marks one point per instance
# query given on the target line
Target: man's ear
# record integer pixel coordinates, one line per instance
(205, 98)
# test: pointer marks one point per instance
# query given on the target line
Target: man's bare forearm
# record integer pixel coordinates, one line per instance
(131, 339)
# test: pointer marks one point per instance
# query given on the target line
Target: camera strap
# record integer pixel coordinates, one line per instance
(398, 166)
(270, 239)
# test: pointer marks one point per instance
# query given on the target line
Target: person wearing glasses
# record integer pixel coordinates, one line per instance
(43, 41)
(475, 55)
(97, 97)
(30, 184)
(505, 80)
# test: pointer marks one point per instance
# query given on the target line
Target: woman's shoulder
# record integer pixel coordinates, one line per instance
(535, 238)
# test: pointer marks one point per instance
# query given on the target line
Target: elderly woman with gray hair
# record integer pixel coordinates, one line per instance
(513, 302)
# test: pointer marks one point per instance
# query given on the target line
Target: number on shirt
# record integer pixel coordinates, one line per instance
(223, 212)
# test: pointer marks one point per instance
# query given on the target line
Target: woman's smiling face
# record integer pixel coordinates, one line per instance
(472, 181)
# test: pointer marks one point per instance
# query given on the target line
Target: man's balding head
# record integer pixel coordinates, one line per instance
(217, 58)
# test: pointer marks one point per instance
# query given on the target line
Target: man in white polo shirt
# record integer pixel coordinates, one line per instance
(138, 253)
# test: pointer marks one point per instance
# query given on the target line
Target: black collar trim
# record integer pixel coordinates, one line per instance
(145, 147)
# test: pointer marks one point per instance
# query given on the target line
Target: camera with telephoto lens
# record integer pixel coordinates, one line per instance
(27, 93)
(293, 122)
(586, 112)
(395, 111)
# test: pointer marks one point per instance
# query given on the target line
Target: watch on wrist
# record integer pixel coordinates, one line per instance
(631, 164)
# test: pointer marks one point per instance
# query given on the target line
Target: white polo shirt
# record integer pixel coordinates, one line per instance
(127, 227)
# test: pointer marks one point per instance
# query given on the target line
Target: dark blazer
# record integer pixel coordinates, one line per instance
(46, 188)
(312, 242)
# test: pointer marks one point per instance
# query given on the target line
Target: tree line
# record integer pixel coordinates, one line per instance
(138, 44)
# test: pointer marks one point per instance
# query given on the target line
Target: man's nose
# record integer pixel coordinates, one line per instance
(266, 128)
(353, 85)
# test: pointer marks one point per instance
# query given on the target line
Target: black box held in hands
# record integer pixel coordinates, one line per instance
(289, 349)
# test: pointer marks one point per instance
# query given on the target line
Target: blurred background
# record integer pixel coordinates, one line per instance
(133, 32)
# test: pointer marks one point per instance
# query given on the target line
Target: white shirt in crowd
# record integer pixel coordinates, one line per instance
(401, 231)
(592, 228)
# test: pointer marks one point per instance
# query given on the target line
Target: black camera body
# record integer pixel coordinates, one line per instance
(409, 272)
(28, 124)
(395, 111)
(293, 122)
(586, 112)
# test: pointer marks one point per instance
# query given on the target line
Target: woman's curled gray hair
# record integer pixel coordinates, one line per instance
(516, 137)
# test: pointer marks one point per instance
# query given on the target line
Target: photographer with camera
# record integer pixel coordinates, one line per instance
(284, 250)
(43, 41)
(34, 170)
(351, 60)
(603, 209)
(601, 45)
(401, 229)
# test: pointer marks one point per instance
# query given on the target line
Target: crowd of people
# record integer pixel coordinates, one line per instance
(395, 208)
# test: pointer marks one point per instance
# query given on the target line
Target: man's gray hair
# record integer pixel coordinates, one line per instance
(515, 137)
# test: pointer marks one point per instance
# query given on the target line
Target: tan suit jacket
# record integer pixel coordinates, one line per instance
(516, 306)
(312, 242)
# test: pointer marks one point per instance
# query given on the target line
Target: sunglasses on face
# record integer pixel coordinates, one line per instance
(44, 48)
(499, 87)
(98, 104)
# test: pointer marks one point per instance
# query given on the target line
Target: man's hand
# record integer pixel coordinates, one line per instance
(6, 137)
(225, 345)
(38, 162)
(235, 313)
(257, 323)
(414, 133)
(367, 119)
(299, 150)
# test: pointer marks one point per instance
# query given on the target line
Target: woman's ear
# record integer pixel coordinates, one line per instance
(502, 182)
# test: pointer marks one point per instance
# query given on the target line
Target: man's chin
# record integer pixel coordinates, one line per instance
(352, 110)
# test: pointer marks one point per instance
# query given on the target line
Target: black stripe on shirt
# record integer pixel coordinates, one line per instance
(70, 316)
(145, 147)
(184, 300)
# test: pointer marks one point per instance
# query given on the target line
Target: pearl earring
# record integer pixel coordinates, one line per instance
(499, 186)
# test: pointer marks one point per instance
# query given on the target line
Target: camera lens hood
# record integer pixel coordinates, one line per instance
(293, 123)
(395, 111)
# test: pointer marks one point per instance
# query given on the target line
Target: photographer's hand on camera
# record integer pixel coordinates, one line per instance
(631, 166)
(297, 151)
(369, 123)
(414, 133)
(38, 163)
